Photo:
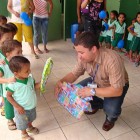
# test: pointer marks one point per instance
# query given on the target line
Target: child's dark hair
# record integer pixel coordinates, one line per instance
(115, 13)
(107, 14)
(9, 46)
(134, 19)
(3, 18)
(121, 13)
(137, 15)
(4, 30)
(16, 63)
(87, 40)
(11, 26)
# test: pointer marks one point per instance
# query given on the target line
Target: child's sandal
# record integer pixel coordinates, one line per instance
(36, 56)
(11, 125)
(26, 137)
(2, 111)
(33, 130)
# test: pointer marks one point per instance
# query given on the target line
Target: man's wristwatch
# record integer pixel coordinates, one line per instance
(92, 91)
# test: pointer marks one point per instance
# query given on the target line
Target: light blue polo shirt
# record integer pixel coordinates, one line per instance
(137, 28)
(120, 28)
(103, 33)
(5, 70)
(110, 24)
(2, 57)
(24, 92)
(130, 36)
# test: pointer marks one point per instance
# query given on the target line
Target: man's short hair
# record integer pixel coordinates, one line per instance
(87, 40)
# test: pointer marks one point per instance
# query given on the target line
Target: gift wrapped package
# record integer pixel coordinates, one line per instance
(72, 102)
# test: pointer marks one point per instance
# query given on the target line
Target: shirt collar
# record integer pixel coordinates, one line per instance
(121, 24)
(7, 62)
(24, 81)
(98, 58)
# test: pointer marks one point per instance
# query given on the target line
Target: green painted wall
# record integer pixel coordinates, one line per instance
(130, 7)
(3, 7)
(112, 5)
(70, 16)
(55, 28)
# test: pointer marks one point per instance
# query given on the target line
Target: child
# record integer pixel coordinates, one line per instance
(5, 34)
(21, 94)
(3, 20)
(119, 30)
(9, 48)
(102, 37)
(129, 40)
(92, 21)
(135, 45)
(12, 27)
(111, 22)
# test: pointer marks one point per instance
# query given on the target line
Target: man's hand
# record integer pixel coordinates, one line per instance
(20, 110)
(84, 92)
(58, 88)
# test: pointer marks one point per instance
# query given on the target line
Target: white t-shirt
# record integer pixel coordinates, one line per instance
(16, 5)
(24, 92)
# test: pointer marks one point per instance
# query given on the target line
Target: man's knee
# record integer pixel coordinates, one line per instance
(113, 110)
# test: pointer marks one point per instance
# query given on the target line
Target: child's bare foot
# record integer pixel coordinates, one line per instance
(132, 60)
(137, 64)
(126, 54)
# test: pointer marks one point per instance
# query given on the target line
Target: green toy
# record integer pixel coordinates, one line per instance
(45, 74)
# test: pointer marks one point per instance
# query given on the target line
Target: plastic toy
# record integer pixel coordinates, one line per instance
(45, 74)
(102, 14)
(120, 44)
(74, 29)
(26, 19)
(106, 26)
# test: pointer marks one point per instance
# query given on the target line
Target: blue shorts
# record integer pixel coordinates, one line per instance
(22, 120)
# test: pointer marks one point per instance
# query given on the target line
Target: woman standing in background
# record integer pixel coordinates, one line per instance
(92, 22)
(16, 7)
(40, 22)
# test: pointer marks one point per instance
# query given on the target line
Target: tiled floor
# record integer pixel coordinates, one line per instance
(55, 123)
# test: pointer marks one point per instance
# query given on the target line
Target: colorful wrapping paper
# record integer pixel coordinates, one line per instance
(72, 102)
